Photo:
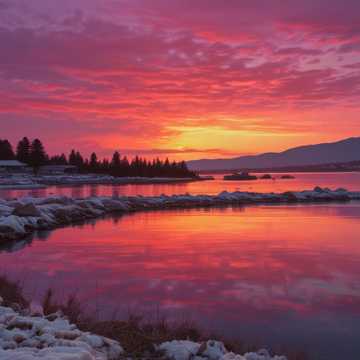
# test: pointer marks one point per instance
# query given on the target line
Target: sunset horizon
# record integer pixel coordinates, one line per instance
(179, 179)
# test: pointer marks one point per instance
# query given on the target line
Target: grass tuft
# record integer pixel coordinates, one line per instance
(136, 334)
(12, 294)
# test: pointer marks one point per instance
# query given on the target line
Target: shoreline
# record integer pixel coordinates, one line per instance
(21, 181)
(21, 217)
(58, 331)
(30, 333)
(22, 187)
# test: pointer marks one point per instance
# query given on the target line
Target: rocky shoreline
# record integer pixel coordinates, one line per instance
(28, 334)
(21, 217)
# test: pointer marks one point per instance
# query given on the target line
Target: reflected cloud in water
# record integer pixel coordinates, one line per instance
(280, 275)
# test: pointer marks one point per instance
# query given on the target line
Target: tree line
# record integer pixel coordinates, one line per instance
(33, 153)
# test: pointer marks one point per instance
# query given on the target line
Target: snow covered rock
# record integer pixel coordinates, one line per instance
(54, 353)
(38, 337)
(180, 349)
(210, 350)
(20, 217)
(5, 210)
(36, 309)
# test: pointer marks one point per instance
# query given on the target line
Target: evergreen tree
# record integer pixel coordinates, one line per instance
(125, 166)
(166, 168)
(72, 157)
(38, 155)
(34, 154)
(6, 151)
(62, 159)
(115, 162)
(58, 160)
(93, 162)
(23, 150)
(76, 159)
(105, 166)
(115, 165)
(79, 160)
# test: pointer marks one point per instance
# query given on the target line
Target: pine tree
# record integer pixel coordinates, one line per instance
(93, 162)
(115, 165)
(76, 159)
(23, 150)
(6, 151)
(115, 162)
(79, 160)
(72, 157)
(58, 160)
(125, 166)
(38, 155)
(62, 159)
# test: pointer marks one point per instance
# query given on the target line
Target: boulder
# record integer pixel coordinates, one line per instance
(212, 350)
(290, 196)
(26, 210)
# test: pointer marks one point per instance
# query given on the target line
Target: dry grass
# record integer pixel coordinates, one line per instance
(11, 293)
(72, 307)
(136, 334)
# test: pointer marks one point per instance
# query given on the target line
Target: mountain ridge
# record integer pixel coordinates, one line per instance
(344, 150)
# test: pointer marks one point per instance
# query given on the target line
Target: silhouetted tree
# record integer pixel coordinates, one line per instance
(125, 167)
(38, 155)
(76, 159)
(115, 162)
(58, 160)
(72, 157)
(79, 160)
(6, 151)
(115, 165)
(35, 155)
(62, 159)
(23, 150)
(93, 162)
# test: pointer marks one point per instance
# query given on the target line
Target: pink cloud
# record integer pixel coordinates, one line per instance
(112, 70)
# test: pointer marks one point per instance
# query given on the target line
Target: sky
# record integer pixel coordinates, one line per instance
(179, 78)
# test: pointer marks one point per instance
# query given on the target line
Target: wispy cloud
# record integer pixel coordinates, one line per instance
(135, 74)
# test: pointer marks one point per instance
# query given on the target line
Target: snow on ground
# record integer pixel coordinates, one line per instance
(26, 337)
(28, 181)
(104, 179)
(29, 335)
(20, 217)
(23, 181)
(210, 350)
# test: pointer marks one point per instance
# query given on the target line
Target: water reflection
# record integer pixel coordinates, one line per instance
(279, 275)
(302, 181)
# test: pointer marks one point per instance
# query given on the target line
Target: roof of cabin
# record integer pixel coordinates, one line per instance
(11, 163)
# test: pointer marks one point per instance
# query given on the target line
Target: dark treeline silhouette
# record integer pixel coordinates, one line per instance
(34, 154)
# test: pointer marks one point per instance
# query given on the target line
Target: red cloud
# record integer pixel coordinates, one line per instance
(112, 71)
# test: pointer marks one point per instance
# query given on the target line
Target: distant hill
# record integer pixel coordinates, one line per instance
(337, 152)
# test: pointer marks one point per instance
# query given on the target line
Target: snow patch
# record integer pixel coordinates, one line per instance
(210, 350)
(36, 337)
(22, 216)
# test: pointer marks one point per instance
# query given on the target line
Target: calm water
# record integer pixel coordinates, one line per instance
(270, 275)
(302, 181)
